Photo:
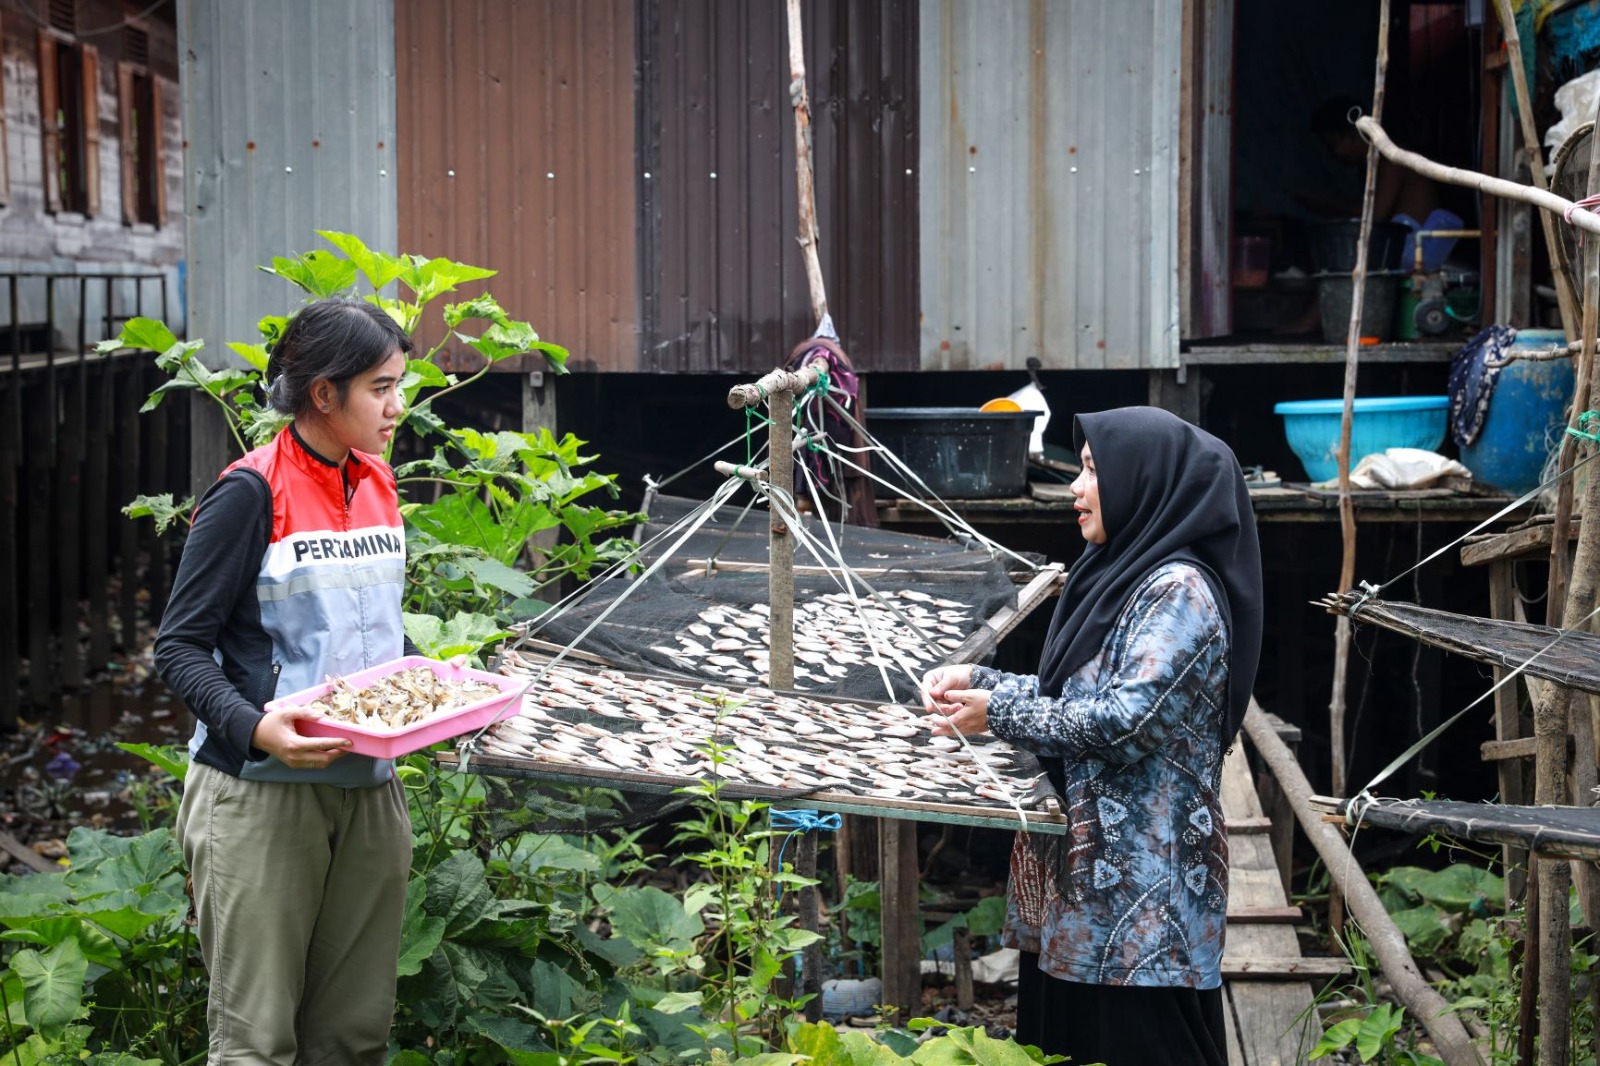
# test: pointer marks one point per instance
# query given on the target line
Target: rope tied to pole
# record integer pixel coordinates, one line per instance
(1589, 420)
(799, 820)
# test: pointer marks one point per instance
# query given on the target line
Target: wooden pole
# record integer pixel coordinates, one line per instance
(1347, 508)
(802, 165)
(1578, 602)
(1565, 298)
(805, 864)
(1582, 218)
(1431, 1010)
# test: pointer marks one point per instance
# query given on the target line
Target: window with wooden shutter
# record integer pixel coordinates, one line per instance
(127, 132)
(5, 153)
(69, 113)
(144, 192)
(89, 118)
(50, 120)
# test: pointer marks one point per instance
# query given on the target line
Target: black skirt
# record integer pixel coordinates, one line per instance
(1119, 1025)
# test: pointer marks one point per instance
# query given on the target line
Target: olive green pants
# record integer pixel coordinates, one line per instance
(300, 891)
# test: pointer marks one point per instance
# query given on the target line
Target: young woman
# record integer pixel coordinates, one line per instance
(293, 570)
(1144, 679)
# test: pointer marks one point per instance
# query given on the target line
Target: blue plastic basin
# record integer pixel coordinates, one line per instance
(1379, 422)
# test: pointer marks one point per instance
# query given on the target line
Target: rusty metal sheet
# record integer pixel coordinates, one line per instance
(1049, 161)
(516, 142)
(723, 288)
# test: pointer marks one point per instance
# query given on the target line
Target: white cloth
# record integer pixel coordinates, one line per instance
(1401, 468)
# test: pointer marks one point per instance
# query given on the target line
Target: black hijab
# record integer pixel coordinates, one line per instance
(1168, 492)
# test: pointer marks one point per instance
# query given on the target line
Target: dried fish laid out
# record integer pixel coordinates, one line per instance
(831, 636)
(399, 699)
(609, 722)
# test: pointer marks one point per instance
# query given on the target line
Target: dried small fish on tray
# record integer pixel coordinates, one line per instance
(832, 636)
(399, 699)
(607, 722)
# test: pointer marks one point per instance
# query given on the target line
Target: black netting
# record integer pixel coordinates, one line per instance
(702, 615)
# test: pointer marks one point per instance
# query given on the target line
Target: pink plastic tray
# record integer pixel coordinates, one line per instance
(389, 743)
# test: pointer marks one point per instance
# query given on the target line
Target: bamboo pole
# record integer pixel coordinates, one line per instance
(1431, 1010)
(1347, 509)
(803, 174)
(1566, 299)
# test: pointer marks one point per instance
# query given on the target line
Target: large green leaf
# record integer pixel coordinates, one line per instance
(319, 273)
(619, 951)
(485, 307)
(128, 922)
(47, 931)
(492, 573)
(420, 932)
(379, 267)
(23, 902)
(1456, 888)
(428, 278)
(509, 1034)
(538, 852)
(1338, 1036)
(254, 354)
(102, 863)
(52, 986)
(1377, 1029)
(464, 634)
(140, 334)
(458, 892)
(172, 758)
(554, 990)
(984, 1050)
(648, 916)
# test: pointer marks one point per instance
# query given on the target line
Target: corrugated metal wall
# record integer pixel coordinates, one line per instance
(289, 114)
(1049, 160)
(517, 154)
(722, 284)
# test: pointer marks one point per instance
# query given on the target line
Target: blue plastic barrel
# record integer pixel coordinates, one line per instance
(1526, 413)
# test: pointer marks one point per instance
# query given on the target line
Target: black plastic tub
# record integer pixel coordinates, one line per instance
(1333, 246)
(960, 452)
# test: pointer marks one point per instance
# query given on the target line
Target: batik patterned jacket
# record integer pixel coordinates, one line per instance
(1144, 894)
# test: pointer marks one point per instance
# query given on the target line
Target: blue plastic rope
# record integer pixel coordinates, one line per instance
(800, 820)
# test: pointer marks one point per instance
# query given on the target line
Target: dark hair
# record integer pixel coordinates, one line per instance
(334, 338)
(1332, 117)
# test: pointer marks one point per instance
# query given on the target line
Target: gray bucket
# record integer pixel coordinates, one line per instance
(960, 452)
(1377, 305)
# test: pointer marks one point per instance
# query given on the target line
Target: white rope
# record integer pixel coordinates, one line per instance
(651, 482)
(789, 513)
(700, 516)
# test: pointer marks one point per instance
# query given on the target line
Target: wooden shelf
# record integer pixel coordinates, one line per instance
(1289, 352)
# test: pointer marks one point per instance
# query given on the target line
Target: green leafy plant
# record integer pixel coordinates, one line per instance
(747, 939)
(822, 1045)
(99, 965)
(492, 519)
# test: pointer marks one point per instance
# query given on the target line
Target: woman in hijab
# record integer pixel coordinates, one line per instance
(1144, 680)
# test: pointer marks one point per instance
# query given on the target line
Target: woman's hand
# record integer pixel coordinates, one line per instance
(276, 735)
(962, 710)
(941, 680)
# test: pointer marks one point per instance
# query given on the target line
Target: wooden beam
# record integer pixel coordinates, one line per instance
(26, 855)
(1289, 968)
(1431, 1010)
(1242, 915)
